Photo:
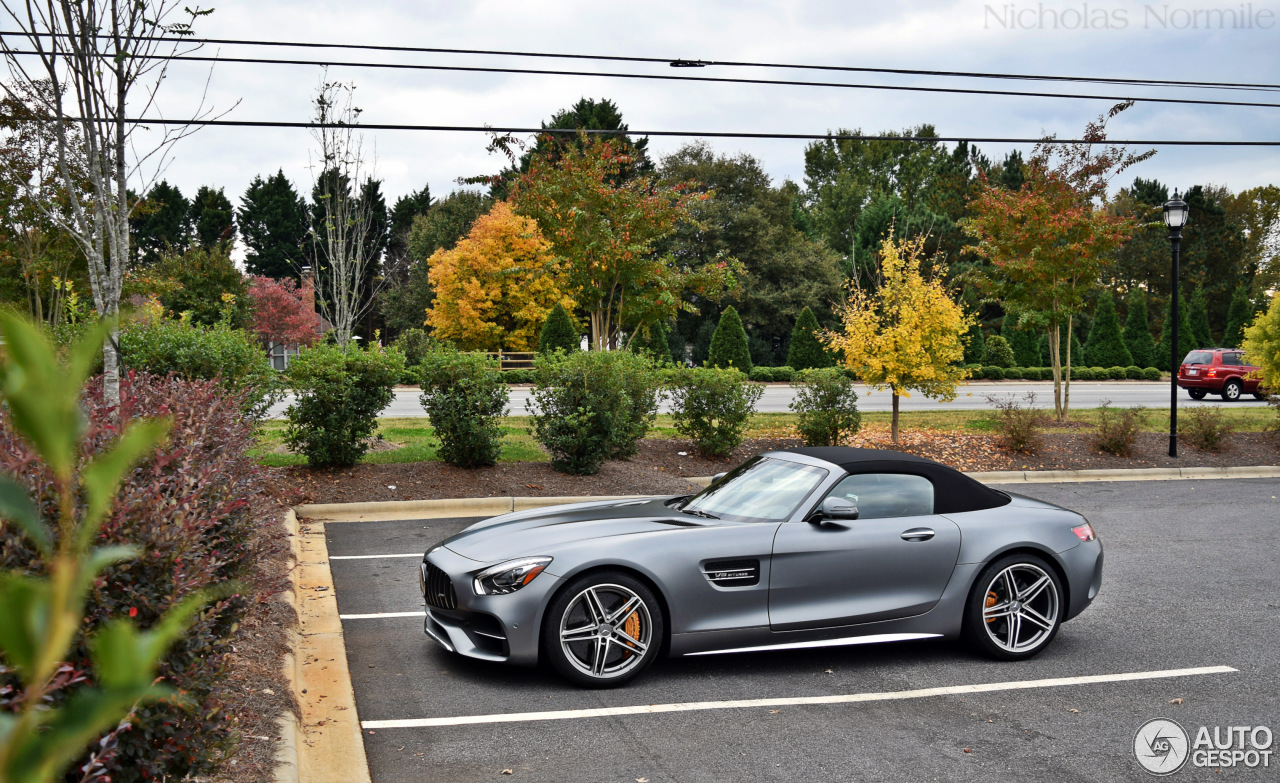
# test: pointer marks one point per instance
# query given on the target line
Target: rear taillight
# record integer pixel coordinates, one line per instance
(1211, 374)
(1084, 532)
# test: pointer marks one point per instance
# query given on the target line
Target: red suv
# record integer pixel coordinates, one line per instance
(1220, 371)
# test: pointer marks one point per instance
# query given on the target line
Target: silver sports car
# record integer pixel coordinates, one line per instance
(808, 547)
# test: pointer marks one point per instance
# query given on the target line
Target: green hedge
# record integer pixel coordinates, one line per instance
(782, 374)
(519, 376)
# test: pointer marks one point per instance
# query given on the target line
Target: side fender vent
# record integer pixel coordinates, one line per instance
(732, 573)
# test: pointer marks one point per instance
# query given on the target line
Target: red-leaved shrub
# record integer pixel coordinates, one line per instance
(198, 512)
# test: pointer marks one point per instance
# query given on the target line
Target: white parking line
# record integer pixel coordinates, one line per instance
(649, 709)
(380, 615)
(372, 557)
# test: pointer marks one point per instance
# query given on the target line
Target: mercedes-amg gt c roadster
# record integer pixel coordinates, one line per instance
(808, 547)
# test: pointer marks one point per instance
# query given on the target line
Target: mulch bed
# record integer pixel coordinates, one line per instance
(661, 466)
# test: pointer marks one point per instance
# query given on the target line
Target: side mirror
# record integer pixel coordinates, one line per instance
(716, 478)
(837, 508)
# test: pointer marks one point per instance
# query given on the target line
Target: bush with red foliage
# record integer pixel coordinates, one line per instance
(280, 314)
(198, 512)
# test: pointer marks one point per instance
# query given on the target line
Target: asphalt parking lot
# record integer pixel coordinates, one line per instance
(1192, 580)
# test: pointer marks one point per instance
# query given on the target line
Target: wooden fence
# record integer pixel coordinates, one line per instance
(513, 360)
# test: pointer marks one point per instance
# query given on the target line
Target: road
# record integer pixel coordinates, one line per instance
(1190, 581)
(777, 398)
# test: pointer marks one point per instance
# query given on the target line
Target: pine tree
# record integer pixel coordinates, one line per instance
(273, 223)
(1239, 316)
(1184, 335)
(806, 351)
(1106, 347)
(1199, 314)
(212, 218)
(558, 332)
(1137, 330)
(161, 223)
(1026, 348)
(997, 353)
(653, 342)
(729, 343)
(975, 350)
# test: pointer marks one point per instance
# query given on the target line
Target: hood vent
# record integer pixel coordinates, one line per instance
(732, 573)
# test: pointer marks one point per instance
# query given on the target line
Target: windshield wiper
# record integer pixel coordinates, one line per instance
(699, 513)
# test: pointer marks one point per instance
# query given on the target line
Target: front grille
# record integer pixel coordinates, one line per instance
(439, 591)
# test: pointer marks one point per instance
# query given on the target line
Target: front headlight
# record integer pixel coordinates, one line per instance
(510, 576)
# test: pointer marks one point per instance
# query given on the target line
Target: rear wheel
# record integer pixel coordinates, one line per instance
(603, 630)
(1015, 608)
(1197, 394)
(1231, 390)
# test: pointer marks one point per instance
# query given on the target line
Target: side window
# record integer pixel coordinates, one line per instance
(1231, 359)
(885, 495)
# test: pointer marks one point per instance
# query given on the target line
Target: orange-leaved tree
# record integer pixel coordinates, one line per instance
(908, 333)
(494, 289)
(1048, 241)
(605, 226)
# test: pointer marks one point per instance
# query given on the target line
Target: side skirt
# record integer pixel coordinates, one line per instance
(848, 640)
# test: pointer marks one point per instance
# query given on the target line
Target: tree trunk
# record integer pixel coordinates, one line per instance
(1066, 391)
(893, 428)
(1055, 362)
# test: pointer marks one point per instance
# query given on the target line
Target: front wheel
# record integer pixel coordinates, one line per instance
(1015, 608)
(603, 630)
(1197, 394)
(1231, 390)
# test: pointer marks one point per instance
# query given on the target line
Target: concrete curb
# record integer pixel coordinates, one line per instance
(287, 768)
(324, 744)
(436, 509)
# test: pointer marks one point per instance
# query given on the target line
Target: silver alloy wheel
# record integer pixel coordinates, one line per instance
(605, 631)
(1024, 610)
(1231, 391)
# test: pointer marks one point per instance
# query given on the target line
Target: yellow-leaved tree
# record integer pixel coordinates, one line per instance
(906, 335)
(495, 288)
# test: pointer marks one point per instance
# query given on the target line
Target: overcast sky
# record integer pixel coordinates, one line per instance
(1175, 40)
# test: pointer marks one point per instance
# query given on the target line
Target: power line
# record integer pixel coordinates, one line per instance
(680, 62)
(716, 79)
(695, 134)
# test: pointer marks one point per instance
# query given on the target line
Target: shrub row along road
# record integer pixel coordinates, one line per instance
(973, 396)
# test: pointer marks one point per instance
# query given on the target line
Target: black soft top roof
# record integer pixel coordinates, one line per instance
(954, 492)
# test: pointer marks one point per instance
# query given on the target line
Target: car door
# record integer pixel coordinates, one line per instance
(1247, 371)
(893, 561)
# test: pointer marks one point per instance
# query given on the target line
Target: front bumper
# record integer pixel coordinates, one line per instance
(501, 628)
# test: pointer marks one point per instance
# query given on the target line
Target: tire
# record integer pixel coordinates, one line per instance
(1197, 394)
(1231, 390)
(989, 625)
(610, 610)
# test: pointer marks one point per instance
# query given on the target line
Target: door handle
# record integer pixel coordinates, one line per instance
(918, 534)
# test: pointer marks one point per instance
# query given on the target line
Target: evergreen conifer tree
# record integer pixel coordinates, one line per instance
(1198, 312)
(1239, 315)
(1184, 335)
(729, 343)
(558, 332)
(273, 222)
(1137, 330)
(1106, 346)
(975, 350)
(806, 351)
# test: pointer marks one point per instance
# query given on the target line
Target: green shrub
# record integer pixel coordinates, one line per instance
(1116, 373)
(518, 376)
(410, 376)
(1025, 345)
(1151, 374)
(806, 351)
(826, 406)
(415, 344)
(1133, 373)
(465, 398)
(784, 374)
(558, 332)
(761, 374)
(1082, 374)
(712, 407)
(729, 343)
(652, 342)
(339, 394)
(592, 406)
(993, 373)
(998, 353)
(195, 352)
(1205, 428)
(975, 347)
(1117, 430)
(1015, 373)
(1018, 425)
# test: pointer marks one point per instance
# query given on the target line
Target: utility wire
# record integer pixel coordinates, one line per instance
(717, 79)
(692, 134)
(698, 63)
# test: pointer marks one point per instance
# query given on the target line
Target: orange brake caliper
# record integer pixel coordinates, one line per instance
(632, 628)
(991, 601)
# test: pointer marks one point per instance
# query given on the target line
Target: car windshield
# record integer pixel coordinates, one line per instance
(1199, 357)
(758, 490)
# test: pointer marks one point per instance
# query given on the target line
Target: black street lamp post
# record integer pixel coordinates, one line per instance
(1175, 217)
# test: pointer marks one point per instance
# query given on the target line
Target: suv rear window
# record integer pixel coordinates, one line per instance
(1199, 357)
